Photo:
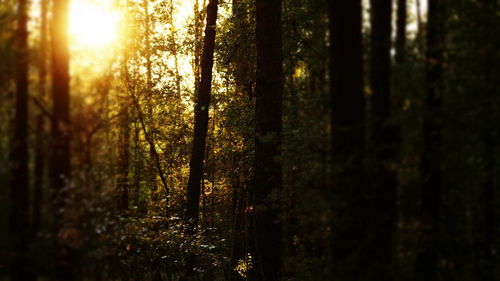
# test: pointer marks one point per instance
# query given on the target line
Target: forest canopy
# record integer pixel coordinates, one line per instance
(261, 140)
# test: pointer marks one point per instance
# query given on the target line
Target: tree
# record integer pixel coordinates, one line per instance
(201, 118)
(383, 145)
(431, 162)
(265, 228)
(200, 128)
(347, 141)
(19, 186)
(60, 163)
(60, 158)
(401, 22)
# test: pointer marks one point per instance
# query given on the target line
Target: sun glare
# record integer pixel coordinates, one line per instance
(92, 24)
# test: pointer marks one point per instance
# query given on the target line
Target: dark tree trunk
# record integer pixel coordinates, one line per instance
(200, 130)
(431, 162)
(19, 186)
(383, 146)
(265, 229)
(60, 158)
(380, 69)
(490, 186)
(348, 141)
(60, 155)
(489, 222)
(402, 17)
(201, 118)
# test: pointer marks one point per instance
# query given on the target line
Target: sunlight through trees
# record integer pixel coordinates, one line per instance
(260, 140)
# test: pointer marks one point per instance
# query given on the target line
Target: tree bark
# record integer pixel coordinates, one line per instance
(60, 166)
(266, 229)
(431, 162)
(401, 21)
(19, 186)
(201, 118)
(60, 160)
(347, 141)
(383, 147)
(200, 130)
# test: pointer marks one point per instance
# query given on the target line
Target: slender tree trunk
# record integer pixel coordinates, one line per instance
(384, 146)
(266, 228)
(489, 220)
(60, 158)
(60, 166)
(201, 118)
(200, 129)
(401, 22)
(348, 141)
(490, 185)
(400, 94)
(431, 163)
(19, 186)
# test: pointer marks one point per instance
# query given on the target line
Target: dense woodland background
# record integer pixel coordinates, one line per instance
(252, 140)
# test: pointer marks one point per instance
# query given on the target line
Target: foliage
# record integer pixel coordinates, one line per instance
(132, 134)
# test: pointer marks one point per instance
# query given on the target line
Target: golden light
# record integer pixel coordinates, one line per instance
(93, 24)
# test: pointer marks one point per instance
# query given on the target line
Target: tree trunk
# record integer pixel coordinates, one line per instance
(383, 148)
(19, 186)
(401, 21)
(490, 185)
(266, 230)
(348, 141)
(60, 160)
(200, 128)
(60, 171)
(201, 118)
(431, 162)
